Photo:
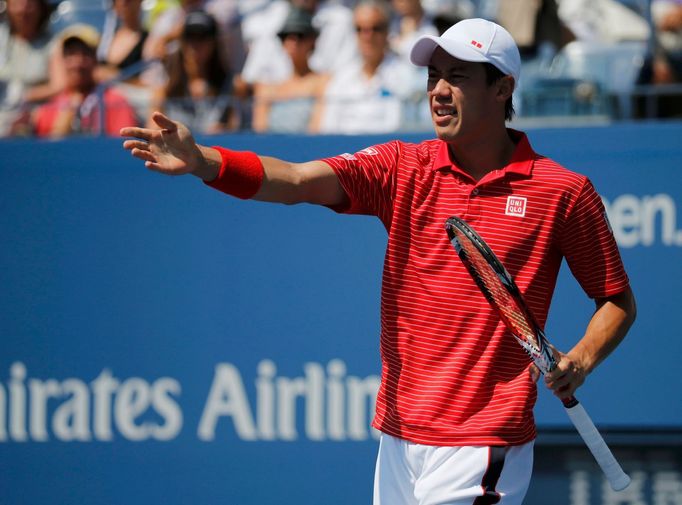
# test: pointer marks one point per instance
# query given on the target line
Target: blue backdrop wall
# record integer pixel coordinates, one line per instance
(163, 343)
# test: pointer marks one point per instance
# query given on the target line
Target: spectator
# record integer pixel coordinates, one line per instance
(603, 21)
(268, 62)
(446, 13)
(535, 26)
(367, 96)
(409, 23)
(122, 39)
(198, 86)
(28, 74)
(291, 106)
(667, 64)
(167, 30)
(77, 109)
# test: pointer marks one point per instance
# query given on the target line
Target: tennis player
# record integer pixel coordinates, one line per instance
(455, 406)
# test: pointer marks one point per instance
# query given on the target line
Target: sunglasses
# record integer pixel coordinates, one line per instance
(297, 36)
(371, 29)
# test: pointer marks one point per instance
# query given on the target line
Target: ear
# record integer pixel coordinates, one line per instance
(505, 88)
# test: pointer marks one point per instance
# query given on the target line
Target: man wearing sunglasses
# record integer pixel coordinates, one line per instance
(369, 95)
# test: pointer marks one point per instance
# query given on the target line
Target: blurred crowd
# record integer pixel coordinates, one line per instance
(306, 66)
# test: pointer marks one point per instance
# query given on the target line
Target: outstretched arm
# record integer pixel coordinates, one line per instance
(172, 150)
(607, 328)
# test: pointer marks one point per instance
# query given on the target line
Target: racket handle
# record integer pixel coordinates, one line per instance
(618, 479)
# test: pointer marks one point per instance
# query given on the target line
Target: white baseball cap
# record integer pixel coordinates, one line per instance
(475, 40)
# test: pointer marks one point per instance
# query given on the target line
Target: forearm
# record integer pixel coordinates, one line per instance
(228, 170)
(171, 149)
(40, 93)
(281, 181)
(607, 328)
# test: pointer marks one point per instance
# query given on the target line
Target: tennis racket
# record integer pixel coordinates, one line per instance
(502, 293)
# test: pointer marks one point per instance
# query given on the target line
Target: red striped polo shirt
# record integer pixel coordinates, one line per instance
(451, 374)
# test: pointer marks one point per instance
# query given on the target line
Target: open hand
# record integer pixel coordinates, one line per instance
(171, 149)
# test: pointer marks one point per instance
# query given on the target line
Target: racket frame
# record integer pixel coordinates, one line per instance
(541, 354)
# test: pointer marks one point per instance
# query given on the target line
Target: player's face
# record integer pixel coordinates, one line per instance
(462, 104)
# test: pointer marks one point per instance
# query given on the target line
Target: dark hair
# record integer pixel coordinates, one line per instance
(199, 23)
(492, 75)
(178, 80)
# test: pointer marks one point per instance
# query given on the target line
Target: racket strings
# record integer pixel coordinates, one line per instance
(497, 294)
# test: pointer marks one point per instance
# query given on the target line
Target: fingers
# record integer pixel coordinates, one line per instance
(143, 154)
(135, 144)
(556, 380)
(140, 133)
(565, 379)
(140, 150)
(155, 167)
(534, 372)
(164, 122)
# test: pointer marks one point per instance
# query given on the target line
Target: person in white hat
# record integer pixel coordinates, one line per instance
(455, 404)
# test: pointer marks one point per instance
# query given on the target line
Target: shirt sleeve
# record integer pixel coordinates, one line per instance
(368, 179)
(590, 248)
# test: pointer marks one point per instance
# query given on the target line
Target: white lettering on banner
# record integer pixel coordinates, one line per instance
(334, 406)
(644, 220)
(666, 489)
(631, 495)
(70, 420)
(227, 398)
(323, 404)
(579, 488)
(25, 416)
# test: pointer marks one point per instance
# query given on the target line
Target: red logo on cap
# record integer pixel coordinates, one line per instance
(477, 44)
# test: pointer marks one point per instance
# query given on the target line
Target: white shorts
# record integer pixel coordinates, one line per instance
(414, 474)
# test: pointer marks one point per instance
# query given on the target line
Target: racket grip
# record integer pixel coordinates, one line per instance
(617, 478)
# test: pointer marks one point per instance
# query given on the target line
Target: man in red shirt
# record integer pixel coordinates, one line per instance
(77, 109)
(457, 393)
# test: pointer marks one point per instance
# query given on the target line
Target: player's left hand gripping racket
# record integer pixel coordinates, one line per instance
(502, 293)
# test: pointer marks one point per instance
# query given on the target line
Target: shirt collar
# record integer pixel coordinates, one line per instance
(521, 161)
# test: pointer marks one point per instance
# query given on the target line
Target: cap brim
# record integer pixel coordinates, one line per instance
(425, 46)
(85, 33)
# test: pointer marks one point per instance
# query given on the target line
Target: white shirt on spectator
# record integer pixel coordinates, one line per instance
(268, 63)
(602, 21)
(402, 43)
(355, 103)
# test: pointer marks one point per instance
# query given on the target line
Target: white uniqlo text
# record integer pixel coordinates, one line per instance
(516, 206)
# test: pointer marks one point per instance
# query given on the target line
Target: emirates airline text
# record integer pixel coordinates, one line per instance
(324, 403)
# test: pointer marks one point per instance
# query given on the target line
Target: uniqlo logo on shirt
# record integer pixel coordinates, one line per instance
(516, 206)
